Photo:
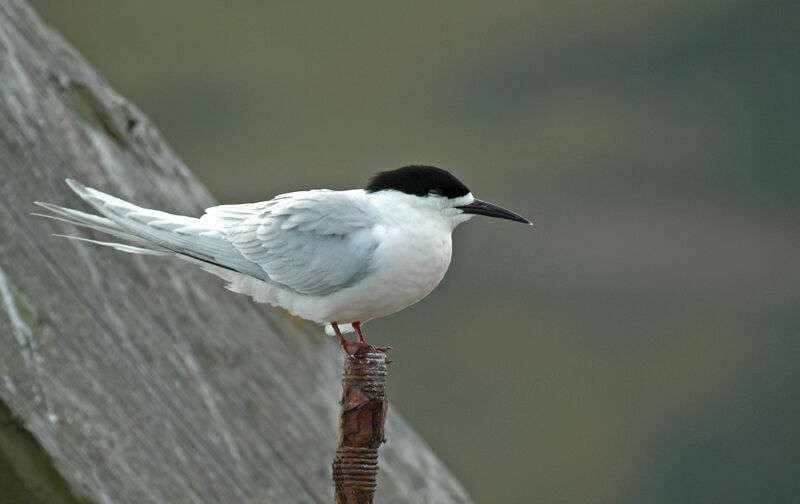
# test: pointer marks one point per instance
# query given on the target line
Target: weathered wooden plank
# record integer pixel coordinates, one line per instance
(144, 380)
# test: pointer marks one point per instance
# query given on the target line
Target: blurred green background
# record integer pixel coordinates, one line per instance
(640, 343)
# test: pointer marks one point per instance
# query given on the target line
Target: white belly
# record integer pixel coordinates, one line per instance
(406, 267)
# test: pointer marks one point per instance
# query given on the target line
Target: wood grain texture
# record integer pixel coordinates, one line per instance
(143, 379)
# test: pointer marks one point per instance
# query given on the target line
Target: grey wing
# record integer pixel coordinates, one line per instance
(313, 242)
(155, 232)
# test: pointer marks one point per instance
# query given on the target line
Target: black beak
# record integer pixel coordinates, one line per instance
(483, 208)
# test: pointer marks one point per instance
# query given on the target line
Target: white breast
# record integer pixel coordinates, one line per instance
(407, 266)
(411, 258)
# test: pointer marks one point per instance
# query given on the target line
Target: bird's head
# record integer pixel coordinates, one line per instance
(437, 193)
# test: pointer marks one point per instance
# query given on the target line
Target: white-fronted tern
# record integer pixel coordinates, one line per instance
(338, 258)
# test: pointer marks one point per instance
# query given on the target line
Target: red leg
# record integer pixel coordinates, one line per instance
(357, 327)
(342, 341)
(349, 347)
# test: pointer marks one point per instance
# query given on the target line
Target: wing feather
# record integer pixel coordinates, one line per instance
(313, 242)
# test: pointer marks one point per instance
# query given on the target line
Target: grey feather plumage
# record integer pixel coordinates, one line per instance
(308, 243)
(315, 242)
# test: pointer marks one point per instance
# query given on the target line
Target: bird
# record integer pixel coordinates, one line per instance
(337, 258)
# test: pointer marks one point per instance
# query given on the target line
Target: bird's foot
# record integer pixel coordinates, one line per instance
(352, 347)
(384, 349)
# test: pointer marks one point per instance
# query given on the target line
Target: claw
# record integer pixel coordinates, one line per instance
(352, 347)
(349, 347)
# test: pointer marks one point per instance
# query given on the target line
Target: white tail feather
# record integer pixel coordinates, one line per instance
(154, 232)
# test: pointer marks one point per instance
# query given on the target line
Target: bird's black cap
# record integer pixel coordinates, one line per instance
(419, 180)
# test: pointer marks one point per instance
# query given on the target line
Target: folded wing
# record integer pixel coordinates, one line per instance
(312, 242)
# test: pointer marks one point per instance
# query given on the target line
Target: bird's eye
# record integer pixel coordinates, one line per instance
(436, 192)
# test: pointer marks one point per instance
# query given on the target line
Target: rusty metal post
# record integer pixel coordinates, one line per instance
(361, 426)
